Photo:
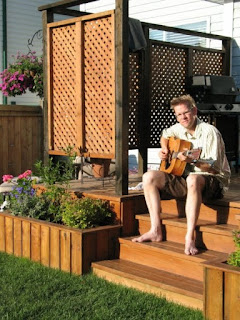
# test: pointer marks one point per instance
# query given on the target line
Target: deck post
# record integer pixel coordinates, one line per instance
(47, 17)
(122, 95)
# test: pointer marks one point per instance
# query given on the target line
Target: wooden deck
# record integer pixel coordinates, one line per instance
(106, 186)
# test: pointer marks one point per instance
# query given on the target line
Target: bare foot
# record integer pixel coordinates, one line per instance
(149, 236)
(190, 248)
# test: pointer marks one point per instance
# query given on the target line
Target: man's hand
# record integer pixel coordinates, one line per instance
(163, 153)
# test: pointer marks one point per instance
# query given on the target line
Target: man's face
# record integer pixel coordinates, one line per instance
(185, 116)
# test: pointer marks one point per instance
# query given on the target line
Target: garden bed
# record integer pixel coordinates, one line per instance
(57, 246)
(221, 291)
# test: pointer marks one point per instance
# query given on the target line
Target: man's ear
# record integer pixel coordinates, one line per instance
(195, 110)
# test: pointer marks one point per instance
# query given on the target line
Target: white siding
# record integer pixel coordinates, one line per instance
(23, 20)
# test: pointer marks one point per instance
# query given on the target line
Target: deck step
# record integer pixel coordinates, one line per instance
(167, 256)
(218, 211)
(208, 234)
(176, 288)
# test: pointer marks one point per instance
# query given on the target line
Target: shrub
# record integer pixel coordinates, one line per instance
(234, 258)
(86, 213)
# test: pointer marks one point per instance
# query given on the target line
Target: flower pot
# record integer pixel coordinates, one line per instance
(100, 167)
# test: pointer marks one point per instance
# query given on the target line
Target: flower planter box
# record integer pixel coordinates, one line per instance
(56, 246)
(221, 291)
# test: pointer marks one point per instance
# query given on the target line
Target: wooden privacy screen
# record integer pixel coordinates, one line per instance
(82, 85)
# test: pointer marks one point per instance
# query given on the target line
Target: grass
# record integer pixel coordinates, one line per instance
(31, 291)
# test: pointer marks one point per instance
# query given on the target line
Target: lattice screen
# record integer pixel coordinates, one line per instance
(99, 87)
(63, 121)
(135, 98)
(82, 82)
(168, 76)
(207, 62)
(82, 85)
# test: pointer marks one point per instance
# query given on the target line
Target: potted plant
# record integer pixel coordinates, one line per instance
(25, 73)
(49, 224)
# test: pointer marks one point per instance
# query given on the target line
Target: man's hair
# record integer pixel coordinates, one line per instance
(185, 99)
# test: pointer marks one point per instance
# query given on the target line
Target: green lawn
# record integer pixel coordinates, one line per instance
(31, 291)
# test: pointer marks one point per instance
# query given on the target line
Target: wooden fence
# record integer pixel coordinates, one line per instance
(21, 138)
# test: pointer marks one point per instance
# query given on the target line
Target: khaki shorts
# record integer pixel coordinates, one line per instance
(176, 188)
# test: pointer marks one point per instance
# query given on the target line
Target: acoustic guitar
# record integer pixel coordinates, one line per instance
(173, 165)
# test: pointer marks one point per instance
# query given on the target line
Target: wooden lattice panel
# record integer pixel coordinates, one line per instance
(167, 81)
(99, 87)
(207, 62)
(63, 108)
(135, 98)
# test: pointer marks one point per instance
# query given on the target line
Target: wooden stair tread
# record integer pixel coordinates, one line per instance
(204, 225)
(219, 228)
(152, 276)
(174, 249)
(146, 216)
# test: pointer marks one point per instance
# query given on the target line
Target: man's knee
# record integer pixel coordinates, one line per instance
(195, 181)
(153, 178)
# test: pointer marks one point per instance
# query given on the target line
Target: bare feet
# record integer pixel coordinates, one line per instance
(149, 236)
(190, 248)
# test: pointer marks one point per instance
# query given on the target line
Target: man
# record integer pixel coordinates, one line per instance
(199, 181)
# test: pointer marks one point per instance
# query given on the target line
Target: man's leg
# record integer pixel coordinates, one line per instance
(195, 185)
(153, 182)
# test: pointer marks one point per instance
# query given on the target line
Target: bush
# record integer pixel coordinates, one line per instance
(234, 258)
(86, 213)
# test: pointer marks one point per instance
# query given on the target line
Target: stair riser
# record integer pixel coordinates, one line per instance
(169, 295)
(213, 213)
(204, 239)
(162, 261)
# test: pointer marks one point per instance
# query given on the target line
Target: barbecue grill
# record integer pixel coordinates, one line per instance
(215, 97)
(214, 94)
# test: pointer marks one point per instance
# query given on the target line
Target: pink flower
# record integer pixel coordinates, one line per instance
(7, 178)
(25, 174)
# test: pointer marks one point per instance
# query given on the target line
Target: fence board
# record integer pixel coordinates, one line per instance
(21, 138)
(45, 245)
(54, 248)
(26, 239)
(17, 229)
(9, 235)
(65, 251)
(35, 242)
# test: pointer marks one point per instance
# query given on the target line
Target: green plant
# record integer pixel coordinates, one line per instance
(234, 258)
(60, 172)
(86, 213)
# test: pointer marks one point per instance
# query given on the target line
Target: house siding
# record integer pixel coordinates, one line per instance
(23, 20)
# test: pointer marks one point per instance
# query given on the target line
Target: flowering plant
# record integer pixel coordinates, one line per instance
(25, 73)
(23, 186)
(234, 258)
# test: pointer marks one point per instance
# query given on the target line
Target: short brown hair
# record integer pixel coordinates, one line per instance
(185, 99)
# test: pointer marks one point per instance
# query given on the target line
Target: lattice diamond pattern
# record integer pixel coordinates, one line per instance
(99, 86)
(167, 80)
(135, 98)
(63, 86)
(207, 62)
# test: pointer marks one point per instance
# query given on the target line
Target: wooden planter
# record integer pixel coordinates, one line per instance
(68, 249)
(221, 291)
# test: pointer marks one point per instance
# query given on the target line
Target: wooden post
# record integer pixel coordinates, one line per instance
(122, 95)
(47, 17)
(145, 112)
(227, 47)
